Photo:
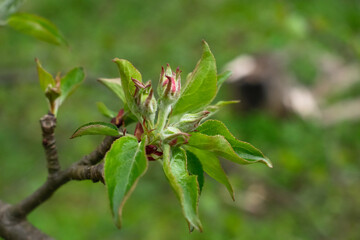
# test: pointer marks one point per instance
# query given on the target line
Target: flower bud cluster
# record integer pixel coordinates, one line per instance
(169, 87)
(145, 100)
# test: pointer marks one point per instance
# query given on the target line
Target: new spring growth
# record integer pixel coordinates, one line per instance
(145, 100)
(52, 92)
(169, 87)
(174, 136)
(189, 122)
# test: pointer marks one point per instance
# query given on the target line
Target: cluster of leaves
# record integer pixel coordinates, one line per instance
(59, 88)
(170, 130)
(29, 24)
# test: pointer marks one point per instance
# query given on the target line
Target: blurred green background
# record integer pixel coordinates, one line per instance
(311, 193)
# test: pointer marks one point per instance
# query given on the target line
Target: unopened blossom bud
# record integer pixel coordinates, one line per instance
(169, 87)
(144, 99)
(152, 152)
(189, 122)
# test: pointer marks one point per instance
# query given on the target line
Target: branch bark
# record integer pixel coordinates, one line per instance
(48, 124)
(19, 229)
(94, 173)
(13, 223)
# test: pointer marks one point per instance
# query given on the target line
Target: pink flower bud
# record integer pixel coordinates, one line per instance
(169, 84)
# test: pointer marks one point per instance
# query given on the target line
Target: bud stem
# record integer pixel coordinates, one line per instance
(163, 116)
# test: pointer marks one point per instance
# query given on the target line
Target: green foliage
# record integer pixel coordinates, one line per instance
(219, 146)
(211, 165)
(314, 185)
(184, 185)
(185, 147)
(58, 89)
(221, 78)
(194, 167)
(70, 82)
(96, 128)
(37, 27)
(114, 84)
(127, 73)
(212, 109)
(243, 149)
(200, 87)
(125, 163)
(46, 79)
(104, 110)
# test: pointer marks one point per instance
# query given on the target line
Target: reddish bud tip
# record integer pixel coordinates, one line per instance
(118, 120)
(157, 153)
(173, 142)
(138, 83)
(150, 149)
(148, 99)
(138, 131)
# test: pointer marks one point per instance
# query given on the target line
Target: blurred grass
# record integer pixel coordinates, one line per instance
(312, 192)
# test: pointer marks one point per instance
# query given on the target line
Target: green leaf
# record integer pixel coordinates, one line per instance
(37, 27)
(127, 72)
(195, 168)
(211, 166)
(184, 185)
(46, 79)
(221, 78)
(222, 148)
(96, 128)
(243, 149)
(105, 110)
(70, 82)
(114, 84)
(215, 108)
(125, 163)
(200, 87)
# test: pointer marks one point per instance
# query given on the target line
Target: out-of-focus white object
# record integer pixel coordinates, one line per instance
(241, 67)
(263, 81)
(302, 102)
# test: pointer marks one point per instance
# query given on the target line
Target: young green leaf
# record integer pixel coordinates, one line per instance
(195, 168)
(243, 149)
(45, 78)
(200, 86)
(221, 78)
(222, 148)
(185, 186)
(114, 84)
(105, 110)
(215, 108)
(96, 128)
(37, 27)
(127, 72)
(125, 163)
(211, 166)
(70, 82)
